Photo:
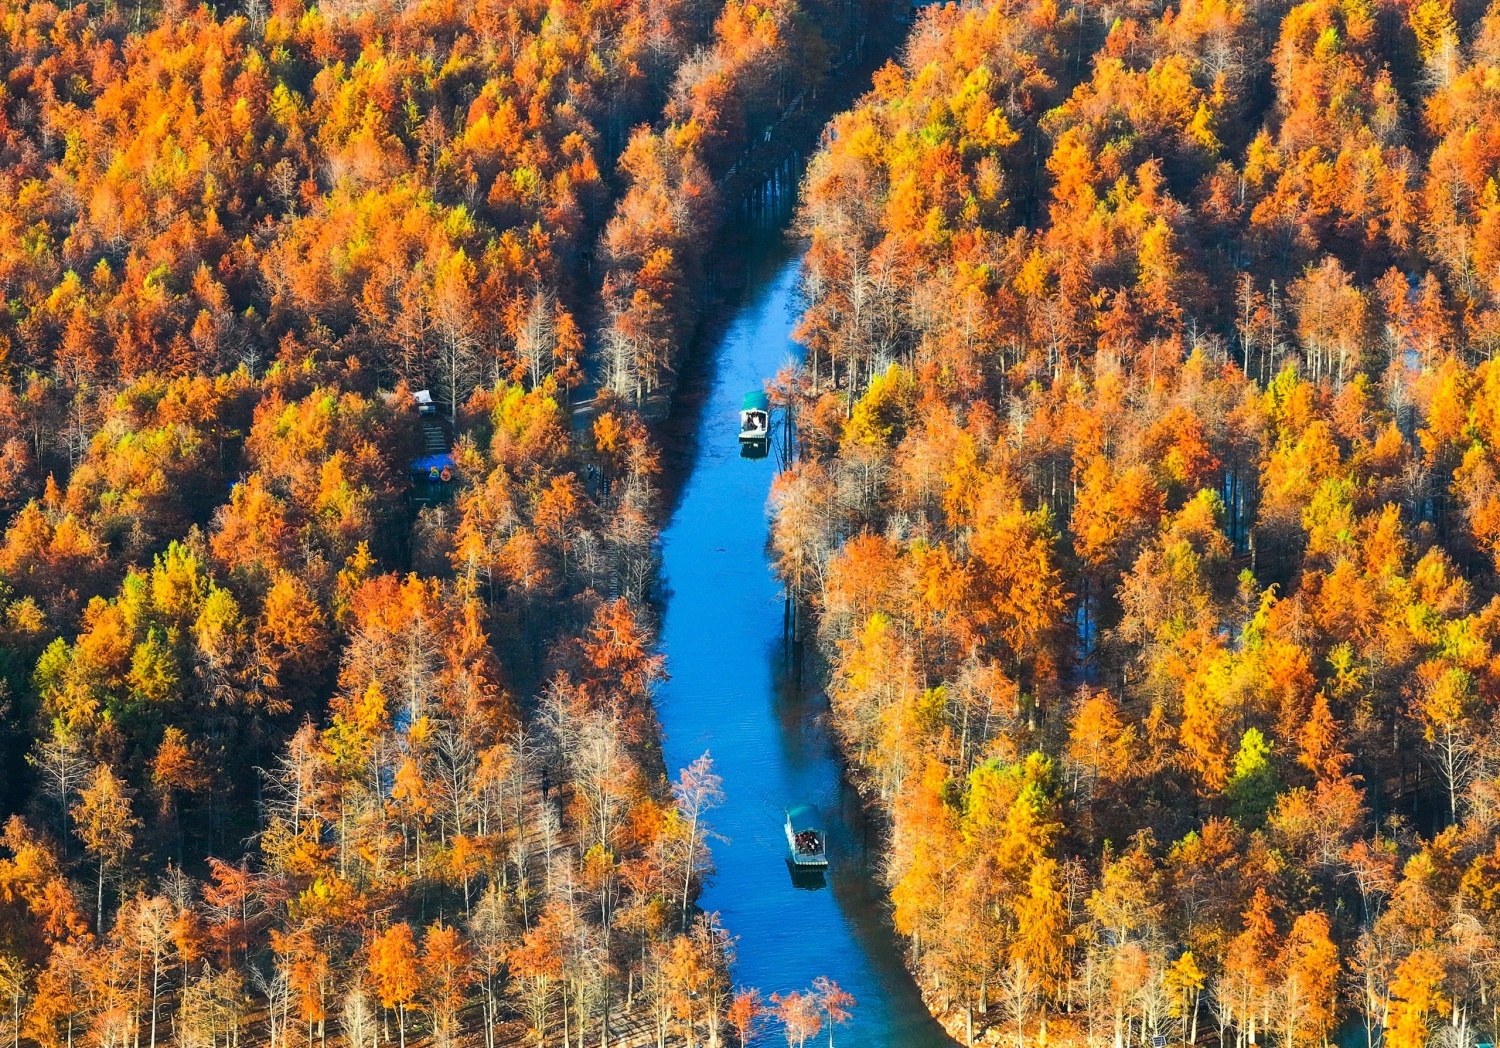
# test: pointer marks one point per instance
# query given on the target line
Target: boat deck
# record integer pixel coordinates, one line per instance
(803, 821)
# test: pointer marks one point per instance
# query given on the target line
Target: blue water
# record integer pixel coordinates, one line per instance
(732, 693)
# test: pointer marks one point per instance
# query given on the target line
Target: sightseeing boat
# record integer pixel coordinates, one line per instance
(806, 840)
(755, 418)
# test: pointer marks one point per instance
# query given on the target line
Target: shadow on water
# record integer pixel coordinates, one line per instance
(731, 691)
(806, 880)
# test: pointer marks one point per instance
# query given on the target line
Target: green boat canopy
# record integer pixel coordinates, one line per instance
(756, 401)
(805, 817)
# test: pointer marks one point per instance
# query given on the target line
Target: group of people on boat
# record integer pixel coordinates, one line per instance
(755, 417)
(808, 842)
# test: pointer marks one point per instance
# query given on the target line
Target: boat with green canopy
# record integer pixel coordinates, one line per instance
(755, 417)
(806, 839)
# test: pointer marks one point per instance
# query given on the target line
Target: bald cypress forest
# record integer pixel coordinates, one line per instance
(1145, 514)
(329, 529)
(1136, 513)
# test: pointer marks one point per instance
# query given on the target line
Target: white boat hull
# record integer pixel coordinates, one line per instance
(754, 425)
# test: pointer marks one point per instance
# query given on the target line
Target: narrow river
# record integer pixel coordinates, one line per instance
(730, 691)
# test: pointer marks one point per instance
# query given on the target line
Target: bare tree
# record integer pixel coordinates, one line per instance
(490, 933)
(154, 919)
(62, 766)
(13, 978)
(1021, 992)
(698, 790)
(357, 1018)
(536, 338)
(274, 986)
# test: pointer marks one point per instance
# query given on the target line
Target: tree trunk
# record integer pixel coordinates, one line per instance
(155, 985)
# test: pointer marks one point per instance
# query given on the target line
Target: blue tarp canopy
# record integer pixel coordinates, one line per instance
(429, 463)
(756, 401)
(804, 817)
